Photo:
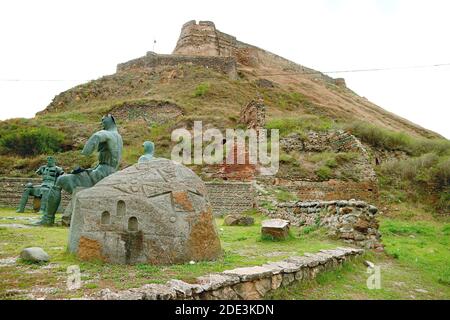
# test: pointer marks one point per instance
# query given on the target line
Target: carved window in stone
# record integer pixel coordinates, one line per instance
(121, 208)
(106, 218)
(133, 224)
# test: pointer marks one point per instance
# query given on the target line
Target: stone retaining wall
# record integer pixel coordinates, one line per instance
(335, 189)
(250, 283)
(11, 190)
(228, 198)
(353, 221)
(225, 198)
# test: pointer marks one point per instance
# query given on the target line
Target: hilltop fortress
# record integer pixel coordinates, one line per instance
(202, 44)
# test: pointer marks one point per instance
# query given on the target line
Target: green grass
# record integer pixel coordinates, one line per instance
(381, 138)
(242, 246)
(415, 266)
(300, 124)
(416, 259)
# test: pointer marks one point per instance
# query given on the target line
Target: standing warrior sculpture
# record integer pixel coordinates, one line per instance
(49, 173)
(108, 142)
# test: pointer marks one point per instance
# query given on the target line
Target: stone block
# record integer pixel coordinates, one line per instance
(217, 280)
(250, 273)
(156, 212)
(277, 229)
(238, 220)
(34, 254)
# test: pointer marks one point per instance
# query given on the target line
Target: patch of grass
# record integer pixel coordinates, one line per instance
(414, 267)
(266, 237)
(381, 138)
(202, 89)
(414, 179)
(324, 173)
(283, 195)
(422, 245)
(300, 124)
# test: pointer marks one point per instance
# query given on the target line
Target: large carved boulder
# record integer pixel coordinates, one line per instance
(155, 212)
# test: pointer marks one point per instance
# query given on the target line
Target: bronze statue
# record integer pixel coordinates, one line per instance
(50, 174)
(149, 149)
(108, 142)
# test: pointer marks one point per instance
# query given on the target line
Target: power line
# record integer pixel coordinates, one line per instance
(309, 71)
(42, 80)
(359, 70)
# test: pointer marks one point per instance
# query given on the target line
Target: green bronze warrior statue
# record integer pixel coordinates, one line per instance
(50, 174)
(108, 142)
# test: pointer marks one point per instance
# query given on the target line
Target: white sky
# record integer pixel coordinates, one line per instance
(76, 41)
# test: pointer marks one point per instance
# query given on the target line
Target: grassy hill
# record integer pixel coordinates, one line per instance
(150, 102)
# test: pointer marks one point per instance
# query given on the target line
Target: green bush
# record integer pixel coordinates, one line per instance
(441, 173)
(32, 141)
(201, 90)
(324, 173)
(380, 137)
(285, 196)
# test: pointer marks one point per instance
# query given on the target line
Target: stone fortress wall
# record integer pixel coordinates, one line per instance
(226, 65)
(203, 39)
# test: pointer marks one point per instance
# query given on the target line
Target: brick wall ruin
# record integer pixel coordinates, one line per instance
(331, 190)
(233, 197)
(225, 198)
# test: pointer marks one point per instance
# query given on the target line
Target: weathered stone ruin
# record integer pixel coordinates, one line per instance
(352, 221)
(275, 229)
(155, 212)
(253, 115)
(148, 111)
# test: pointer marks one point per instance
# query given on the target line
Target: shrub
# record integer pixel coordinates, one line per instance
(288, 159)
(201, 89)
(32, 141)
(441, 173)
(324, 173)
(285, 196)
(380, 137)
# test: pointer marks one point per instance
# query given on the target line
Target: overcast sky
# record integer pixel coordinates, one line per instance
(76, 41)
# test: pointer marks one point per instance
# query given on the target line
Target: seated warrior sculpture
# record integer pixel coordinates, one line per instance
(49, 174)
(108, 142)
(149, 149)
